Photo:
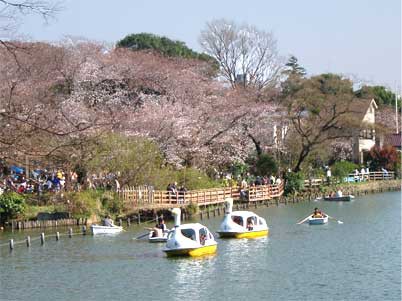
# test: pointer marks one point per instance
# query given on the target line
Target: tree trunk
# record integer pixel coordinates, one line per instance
(303, 154)
(257, 144)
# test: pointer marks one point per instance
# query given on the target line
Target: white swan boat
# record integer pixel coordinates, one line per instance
(189, 239)
(97, 229)
(242, 224)
(318, 220)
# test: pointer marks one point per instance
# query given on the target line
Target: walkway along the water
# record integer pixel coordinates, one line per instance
(157, 199)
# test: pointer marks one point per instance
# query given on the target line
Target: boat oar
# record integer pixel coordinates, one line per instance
(303, 220)
(142, 236)
(339, 222)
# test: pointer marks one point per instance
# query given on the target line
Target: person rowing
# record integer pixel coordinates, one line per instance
(108, 222)
(318, 213)
(159, 228)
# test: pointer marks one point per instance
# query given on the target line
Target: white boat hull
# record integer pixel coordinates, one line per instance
(152, 238)
(318, 220)
(96, 229)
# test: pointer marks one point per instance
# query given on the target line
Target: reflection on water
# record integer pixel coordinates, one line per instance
(191, 276)
(357, 260)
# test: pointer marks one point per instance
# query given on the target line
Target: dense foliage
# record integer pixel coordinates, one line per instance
(341, 169)
(163, 45)
(381, 95)
(320, 111)
(11, 205)
(265, 165)
(386, 157)
(294, 182)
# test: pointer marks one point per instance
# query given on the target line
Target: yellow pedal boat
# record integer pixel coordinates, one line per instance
(242, 224)
(189, 239)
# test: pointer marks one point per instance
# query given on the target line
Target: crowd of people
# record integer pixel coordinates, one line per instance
(38, 182)
(41, 181)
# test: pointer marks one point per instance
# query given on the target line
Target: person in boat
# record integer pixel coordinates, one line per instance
(317, 213)
(107, 222)
(159, 228)
(250, 224)
(237, 220)
(339, 193)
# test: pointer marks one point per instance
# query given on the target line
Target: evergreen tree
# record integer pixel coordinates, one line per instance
(295, 76)
(381, 95)
(163, 45)
(293, 67)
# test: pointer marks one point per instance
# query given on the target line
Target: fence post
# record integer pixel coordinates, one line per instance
(84, 230)
(70, 232)
(42, 238)
(28, 240)
(11, 243)
(57, 235)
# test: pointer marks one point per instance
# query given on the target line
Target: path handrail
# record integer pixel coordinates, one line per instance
(161, 198)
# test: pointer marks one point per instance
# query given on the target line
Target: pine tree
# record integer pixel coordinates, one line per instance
(294, 68)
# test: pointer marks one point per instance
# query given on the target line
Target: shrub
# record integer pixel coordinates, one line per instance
(111, 203)
(85, 203)
(238, 169)
(192, 208)
(386, 157)
(294, 182)
(192, 178)
(11, 205)
(262, 165)
(342, 169)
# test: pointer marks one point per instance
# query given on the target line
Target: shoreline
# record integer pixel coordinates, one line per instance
(310, 194)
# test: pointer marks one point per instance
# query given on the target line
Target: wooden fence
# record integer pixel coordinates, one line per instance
(371, 176)
(47, 223)
(148, 199)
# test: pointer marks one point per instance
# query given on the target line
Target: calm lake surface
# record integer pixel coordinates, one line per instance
(357, 260)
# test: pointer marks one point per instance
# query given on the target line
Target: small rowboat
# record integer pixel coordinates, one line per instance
(318, 220)
(152, 238)
(346, 198)
(97, 229)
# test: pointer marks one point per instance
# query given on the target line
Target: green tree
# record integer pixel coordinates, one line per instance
(163, 45)
(294, 68)
(265, 165)
(295, 74)
(11, 205)
(294, 182)
(137, 161)
(342, 169)
(320, 111)
(381, 95)
(239, 169)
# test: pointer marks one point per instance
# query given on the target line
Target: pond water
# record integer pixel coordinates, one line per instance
(357, 260)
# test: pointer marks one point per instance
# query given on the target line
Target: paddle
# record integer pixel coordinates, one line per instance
(339, 222)
(142, 236)
(303, 220)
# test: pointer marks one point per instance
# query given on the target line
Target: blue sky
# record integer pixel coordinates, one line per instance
(359, 38)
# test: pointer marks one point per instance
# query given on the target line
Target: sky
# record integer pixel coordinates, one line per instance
(358, 38)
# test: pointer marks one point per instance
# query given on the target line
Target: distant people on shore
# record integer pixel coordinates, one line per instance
(329, 175)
